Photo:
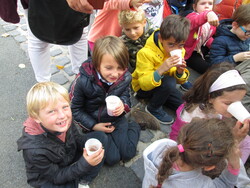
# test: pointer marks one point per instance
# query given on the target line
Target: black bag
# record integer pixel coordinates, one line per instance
(53, 21)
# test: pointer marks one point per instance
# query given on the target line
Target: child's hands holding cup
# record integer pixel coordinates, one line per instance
(115, 106)
(93, 152)
(241, 130)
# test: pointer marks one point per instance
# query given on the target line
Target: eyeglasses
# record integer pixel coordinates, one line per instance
(247, 33)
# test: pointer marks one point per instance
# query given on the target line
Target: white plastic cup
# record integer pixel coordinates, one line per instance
(238, 111)
(177, 52)
(112, 102)
(92, 146)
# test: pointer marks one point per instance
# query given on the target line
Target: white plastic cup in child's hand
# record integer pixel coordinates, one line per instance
(177, 52)
(238, 111)
(92, 146)
(112, 103)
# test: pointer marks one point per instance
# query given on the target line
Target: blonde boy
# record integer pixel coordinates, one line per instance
(51, 144)
(135, 34)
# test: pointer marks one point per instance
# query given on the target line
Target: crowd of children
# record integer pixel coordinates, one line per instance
(131, 43)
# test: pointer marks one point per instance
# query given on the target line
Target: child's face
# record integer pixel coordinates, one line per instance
(56, 118)
(110, 70)
(171, 44)
(134, 30)
(242, 32)
(221, 103)
(203, 5)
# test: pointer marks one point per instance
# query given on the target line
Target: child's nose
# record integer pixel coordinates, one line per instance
(61, 114)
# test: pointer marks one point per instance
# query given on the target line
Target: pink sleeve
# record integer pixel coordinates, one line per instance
(197, 19)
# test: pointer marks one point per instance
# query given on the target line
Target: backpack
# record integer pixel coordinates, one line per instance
(53, 21)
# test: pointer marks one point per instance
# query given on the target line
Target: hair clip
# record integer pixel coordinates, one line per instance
(181, 148)
(210, 151)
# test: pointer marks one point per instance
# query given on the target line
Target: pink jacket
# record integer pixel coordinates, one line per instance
(175, 128)
(106, 20)
(197, 20)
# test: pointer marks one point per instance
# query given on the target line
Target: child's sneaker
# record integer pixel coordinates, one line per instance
(186, 86)
(83, 185)
(161, 115)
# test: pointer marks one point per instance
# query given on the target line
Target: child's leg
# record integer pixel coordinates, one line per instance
(93, 172)
(197, 63)
(72, 184)
(174, 99)
(123, 141)
(162, 93)
(79, 51)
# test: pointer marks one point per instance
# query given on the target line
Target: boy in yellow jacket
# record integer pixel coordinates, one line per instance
(156, 71)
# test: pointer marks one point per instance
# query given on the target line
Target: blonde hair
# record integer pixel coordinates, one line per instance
(131, 16)
(110, 45)
(41, 94)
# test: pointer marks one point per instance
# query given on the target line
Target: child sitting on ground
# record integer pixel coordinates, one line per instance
(52, 146)
(202, 144)
(156, 71)
(135, 33)
(203, 27)
(104, 75)
(210, 97)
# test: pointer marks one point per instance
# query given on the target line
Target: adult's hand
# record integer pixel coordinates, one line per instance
(81, 6)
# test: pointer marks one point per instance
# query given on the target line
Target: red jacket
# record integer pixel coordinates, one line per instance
(225, 8)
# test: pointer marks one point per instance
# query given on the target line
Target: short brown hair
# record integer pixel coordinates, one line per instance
(175, 26)
(242, 15)
(110, 45)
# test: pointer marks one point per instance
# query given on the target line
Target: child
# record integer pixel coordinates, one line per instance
(52, 146)
(210, 96)
(232, 41)
(106, 74)
(201, 145)
(203, 27)
(155, 73)
(106, 20)
(134, 33)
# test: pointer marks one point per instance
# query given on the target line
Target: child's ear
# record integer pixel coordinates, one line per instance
(144, 22)
(36, 119)
(235, 25)
(208, 168)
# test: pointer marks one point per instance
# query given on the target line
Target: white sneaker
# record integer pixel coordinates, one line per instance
(83, 185)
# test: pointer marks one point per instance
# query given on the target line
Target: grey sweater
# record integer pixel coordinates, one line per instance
(153, 156)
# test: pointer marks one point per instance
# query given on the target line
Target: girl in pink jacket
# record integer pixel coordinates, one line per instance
(203, 27)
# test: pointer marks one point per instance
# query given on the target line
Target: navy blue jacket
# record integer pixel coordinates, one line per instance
(226, 44)
(88, 97)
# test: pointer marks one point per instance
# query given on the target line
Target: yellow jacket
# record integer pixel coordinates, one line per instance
(245, 2)
(148, 59)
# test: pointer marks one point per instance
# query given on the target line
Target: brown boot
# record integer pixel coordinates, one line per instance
(144, 119)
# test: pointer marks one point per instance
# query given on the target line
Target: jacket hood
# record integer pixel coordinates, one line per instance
(31, 127)
(224, 28)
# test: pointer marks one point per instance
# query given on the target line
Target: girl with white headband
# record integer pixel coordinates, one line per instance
(201, 145)
(210, 96)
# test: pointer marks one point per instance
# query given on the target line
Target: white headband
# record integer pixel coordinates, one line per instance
(227, 79)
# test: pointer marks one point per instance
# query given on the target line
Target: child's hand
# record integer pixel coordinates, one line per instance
(136, 3)
(234, 156)
(241, 56)
(80, 6)
(104, 127)
(168, 64)
(241, 130)
(212, 19)
(181, 68)
(95, 158)
(119, 110)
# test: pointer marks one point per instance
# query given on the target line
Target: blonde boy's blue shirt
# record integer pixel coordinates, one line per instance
(149, 59)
